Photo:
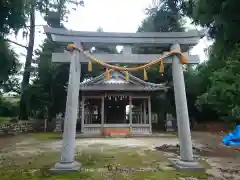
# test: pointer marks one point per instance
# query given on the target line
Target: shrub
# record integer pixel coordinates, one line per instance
(7, 108)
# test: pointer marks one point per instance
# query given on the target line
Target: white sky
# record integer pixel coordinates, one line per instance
(111, 15)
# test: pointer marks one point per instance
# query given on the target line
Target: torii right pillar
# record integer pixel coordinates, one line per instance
(186, 161)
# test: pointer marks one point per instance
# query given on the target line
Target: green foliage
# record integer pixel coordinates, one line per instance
(163, 17)
(221, 17)
(54, 13)
(7, 108)
(224, 90)
(12, 15)
(49, 85)
(218, 77)
(9, 66)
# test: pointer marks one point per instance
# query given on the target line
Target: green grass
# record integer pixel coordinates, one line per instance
(46, 136)
(94, 160)
(4, 119)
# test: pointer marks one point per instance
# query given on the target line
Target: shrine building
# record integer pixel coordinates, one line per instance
(117, 103)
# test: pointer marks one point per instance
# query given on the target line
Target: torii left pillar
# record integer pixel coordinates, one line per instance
(67, 162)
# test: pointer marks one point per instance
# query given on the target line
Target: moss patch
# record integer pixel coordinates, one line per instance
(46, 136)
(95, 165)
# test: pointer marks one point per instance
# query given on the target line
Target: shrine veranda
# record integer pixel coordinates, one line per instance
(104, 101)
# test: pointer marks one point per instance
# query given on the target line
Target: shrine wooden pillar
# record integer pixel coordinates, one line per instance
(144, 112)
(149, 114)
(102, 113)
(130, 112)
(83, 114)
(141, 114)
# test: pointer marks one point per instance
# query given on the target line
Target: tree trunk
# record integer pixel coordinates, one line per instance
(50, 106)
(27, 68)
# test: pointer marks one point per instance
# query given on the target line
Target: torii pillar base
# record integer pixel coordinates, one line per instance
(186, 166)
(66, 167)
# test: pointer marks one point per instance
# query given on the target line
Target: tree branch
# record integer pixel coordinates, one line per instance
(8, 40)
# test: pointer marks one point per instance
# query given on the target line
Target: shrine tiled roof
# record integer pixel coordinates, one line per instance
(118, 81)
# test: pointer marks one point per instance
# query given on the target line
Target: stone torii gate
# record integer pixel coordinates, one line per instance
(170, 41)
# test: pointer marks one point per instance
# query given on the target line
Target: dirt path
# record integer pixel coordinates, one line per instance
(9, 140)
(225, 161)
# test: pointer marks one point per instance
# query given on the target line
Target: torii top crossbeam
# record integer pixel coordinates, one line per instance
(156, 39)
(128, 40)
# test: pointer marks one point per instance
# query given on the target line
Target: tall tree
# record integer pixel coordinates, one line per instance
(223, 92)
(219, 87)
(54, 12)
(12, 18)
(27, 67)
(221, 17)
(164, 16)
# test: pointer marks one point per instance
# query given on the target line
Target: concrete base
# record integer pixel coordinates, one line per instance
(187, 165)
(65, 167)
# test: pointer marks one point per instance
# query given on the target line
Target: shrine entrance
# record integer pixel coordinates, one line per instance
(115, 110)
(109, 83)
